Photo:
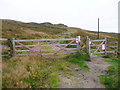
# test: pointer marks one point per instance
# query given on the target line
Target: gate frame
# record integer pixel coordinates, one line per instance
(104, 42)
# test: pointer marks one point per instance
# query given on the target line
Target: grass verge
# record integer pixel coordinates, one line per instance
(110, 80)
(79, 59)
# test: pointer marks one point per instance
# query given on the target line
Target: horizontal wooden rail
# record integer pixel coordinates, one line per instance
(5, 55)
(44, 40)
(112, 42)
(59, 53)
(94, 49)
(42, 45)
(97, 40)
(111, 50)
(4, 46)
(45, 50)
(95, 45)
(3, 39)
(111, 46)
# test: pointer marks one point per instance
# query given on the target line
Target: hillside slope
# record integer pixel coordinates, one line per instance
(21, 30)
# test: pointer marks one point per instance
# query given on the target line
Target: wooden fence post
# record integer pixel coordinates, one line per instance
(12, 47)
(78, 43)
(105, 46)
(117, 49)
(88, 46)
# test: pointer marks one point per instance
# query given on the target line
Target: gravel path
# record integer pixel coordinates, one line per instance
(86, 79)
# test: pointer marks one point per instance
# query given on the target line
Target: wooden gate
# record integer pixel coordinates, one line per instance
(97, 47)
(48, 48)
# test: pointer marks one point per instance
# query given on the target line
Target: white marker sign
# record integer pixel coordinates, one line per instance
(90, 42)
(78, 39)
(103, 47)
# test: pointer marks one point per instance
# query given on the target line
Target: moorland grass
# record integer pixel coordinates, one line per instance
(110, 80)
(79, 60)
(37, 72)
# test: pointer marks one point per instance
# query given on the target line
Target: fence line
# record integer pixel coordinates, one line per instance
(85, 45)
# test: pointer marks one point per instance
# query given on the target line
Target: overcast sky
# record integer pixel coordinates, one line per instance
(74, 13)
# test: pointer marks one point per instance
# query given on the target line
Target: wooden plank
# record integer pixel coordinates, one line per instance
(42, 45)
(4, 46)
(45, 53)
(95, 45)
(45, 50)
(111, 46)
(112, 42)
(5, 55)
(24, 50)
(97, 40)
(111, 50)
(27, 45)
(94, 49)
(44, 40)
(3, 39)
(58, 53)
(25, 54)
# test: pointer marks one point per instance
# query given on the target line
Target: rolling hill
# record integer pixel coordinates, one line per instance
(32, 30)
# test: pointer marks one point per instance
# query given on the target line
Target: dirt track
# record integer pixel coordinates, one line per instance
(86, 79)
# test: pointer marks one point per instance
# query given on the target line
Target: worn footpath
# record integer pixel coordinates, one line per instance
(85, 79)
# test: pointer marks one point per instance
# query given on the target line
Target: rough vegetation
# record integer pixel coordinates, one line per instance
(37, 72)
(111, 79)
(76, 70)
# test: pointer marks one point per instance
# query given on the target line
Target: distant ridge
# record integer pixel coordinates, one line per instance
(22, 30)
